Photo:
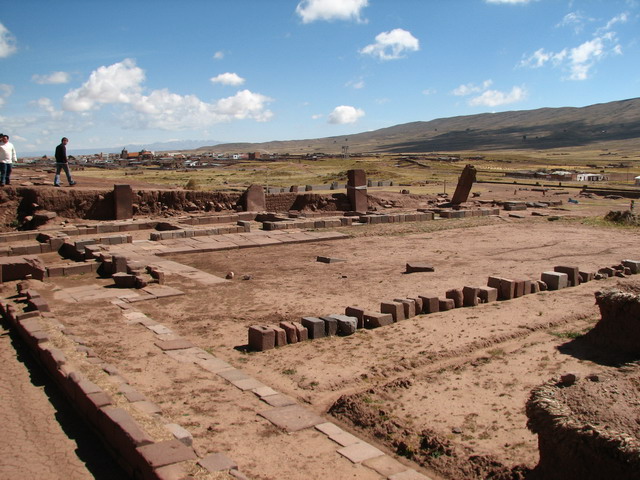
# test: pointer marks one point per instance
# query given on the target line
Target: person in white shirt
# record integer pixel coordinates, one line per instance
(7, 157)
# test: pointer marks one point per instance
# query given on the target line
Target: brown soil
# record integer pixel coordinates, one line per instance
(446, 391)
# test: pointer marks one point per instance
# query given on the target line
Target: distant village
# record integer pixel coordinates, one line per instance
(188, 160)
(172, 161)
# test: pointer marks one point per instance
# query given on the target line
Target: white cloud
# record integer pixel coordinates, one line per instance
(494, 98)
(117, 83)
(345, 114)
(429, 91)
(576, 20)
(470, 88)
(316, 116)
(392, 45)
(312, 10)
(219, 55)
(51, 79)
(121, 83)
(7, 42)
(228, 79)
(579, 61)
(5, 92)
(357, 84)
(622, 18)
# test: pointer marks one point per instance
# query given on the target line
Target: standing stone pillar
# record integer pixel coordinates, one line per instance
(357, 190)
(254, 199)
(465, 183)
(123, 202)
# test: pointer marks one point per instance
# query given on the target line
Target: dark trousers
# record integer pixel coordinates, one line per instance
(5, 173)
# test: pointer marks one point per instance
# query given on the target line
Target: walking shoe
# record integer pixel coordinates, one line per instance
(56, 184)
(72, 183)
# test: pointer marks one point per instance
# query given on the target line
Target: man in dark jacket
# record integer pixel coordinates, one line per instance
(62, 163)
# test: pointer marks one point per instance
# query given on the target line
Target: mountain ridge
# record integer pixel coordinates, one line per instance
(542, 128)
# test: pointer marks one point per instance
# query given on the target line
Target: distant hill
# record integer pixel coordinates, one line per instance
(175, 145)
(617, 123)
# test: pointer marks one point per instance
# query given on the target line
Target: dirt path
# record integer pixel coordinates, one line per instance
(43, 439)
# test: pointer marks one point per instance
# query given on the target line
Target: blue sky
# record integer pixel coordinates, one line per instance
(116, 73)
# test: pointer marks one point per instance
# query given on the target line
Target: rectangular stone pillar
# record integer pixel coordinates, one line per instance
(123, 202)
(357, 190)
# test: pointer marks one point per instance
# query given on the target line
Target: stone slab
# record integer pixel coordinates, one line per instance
(344, 439)
(233, 375)
(217, 462)
(278, 400)
(359, 452)
(385, 465)
(408, 475)
(292, 418)
(177, 344)
(166, 452)
(247, 384)
(329, 428)
(264, 391)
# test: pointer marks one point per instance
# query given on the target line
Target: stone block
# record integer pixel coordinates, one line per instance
(17, 268)
(520, 289)
(632, 265)
(376, 320)
(330, 326)
(419, 304)
(355, 312)
(124, 280)
(457, 296)
(506, 287)
(488, 294)
(180, 433)
(470, 296)
(346, 325)
(356, 178)
(534, 287)
(430, 304)
(166, 452)
(419, 267)
(572, 274)
(555, 280)
(302, 332)
(217, 462)
(446, 304)
(38, 303)
(120, 430)
(408, 305)
(261, 337)
(281, 336)
(607, 272)
(585, 276)
(291, 331)
(119, 264)
(314, 326)
(395, 309)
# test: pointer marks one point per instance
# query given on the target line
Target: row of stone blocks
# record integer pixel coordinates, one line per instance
(242, 227)
(132, 447)
(46, 243)
(302, 223)
(396, 217)
(479, 212)
(266, 337)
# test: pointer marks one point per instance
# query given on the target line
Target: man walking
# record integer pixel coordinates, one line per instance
(62, 163)
(7, 157)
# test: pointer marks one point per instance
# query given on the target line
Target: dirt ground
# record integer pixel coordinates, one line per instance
(459, 379)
